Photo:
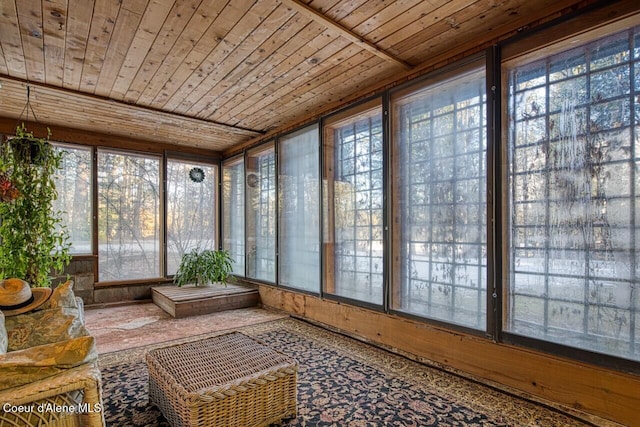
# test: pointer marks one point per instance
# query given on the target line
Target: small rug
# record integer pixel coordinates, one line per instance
(341, 382)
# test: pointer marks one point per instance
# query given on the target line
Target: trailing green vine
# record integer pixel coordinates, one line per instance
(33, 241)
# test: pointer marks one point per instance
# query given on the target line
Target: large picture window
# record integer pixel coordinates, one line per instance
(233, 212)
(439, 203)
(299, 227)
(260, 182)
(191, 209)
(353, 223)
(73, 185)
(129, 239)
(573, 150)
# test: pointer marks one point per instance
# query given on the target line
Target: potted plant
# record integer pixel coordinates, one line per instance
(204, 267)
(28, 149)
(34, 241)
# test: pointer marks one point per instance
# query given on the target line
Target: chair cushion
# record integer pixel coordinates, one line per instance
(62, 296)
(35, 363)
(4, 340)
(42, 327)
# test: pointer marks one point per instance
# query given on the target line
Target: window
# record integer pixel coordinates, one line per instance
(233, 212)
(574, 153)
(299, 227)
(261, 212)
(191, 209)
(353, 227)
(129, 240)
(73, 185)
(439, 203)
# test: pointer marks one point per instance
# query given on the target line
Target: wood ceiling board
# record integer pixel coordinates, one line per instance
(338, 67)
(295, 68)
(135, 6)
(475, 25)
(239, 62)
(78, 24)
(445, 20)
(245, 57)
(351, 13)
(3, 65)
(326, 91)
(105, 14)
(175, 22)
(191, 71)
(65, 108)
(10, 40)
(150, 25)
(30, 21)
(413, 22)
(119, 44)
(393, 16)
(279, 63)
(54, 20)
(344, 32)
(199, 32)
(223, 57)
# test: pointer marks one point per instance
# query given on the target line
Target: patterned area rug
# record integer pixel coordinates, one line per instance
(341, 382)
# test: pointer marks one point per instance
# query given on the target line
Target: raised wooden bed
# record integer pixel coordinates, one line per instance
(193, 300)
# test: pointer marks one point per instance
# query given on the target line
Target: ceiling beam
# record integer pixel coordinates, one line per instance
(314, 15)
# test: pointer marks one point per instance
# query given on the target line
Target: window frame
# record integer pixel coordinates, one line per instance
(93, 218)
(279, 197)
(181, 158)
(262, 147)
(353, 112)
(233, 161)
(161, 214)
(543, 44)
(492, 296)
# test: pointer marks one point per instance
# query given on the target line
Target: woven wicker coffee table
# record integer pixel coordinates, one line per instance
(228, 380)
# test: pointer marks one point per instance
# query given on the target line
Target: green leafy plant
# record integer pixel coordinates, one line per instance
(33, 241)
(203, 267)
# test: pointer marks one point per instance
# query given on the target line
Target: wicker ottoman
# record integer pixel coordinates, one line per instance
(228, 380)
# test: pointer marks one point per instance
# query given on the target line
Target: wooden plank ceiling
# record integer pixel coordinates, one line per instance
(215, 73)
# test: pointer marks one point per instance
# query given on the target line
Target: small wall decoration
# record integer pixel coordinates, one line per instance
(196, 175)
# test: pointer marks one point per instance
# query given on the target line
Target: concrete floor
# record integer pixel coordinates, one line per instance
(128, 326)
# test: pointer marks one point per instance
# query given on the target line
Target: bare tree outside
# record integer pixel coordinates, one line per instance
(191, 209)
(573, 149)
(129, 238)
(440, 202)
(73, 185)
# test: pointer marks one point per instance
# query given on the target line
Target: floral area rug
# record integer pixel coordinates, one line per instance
(341, 382)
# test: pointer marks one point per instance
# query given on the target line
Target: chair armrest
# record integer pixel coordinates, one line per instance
(79, 387)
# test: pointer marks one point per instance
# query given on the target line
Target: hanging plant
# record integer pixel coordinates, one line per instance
(33, 241)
